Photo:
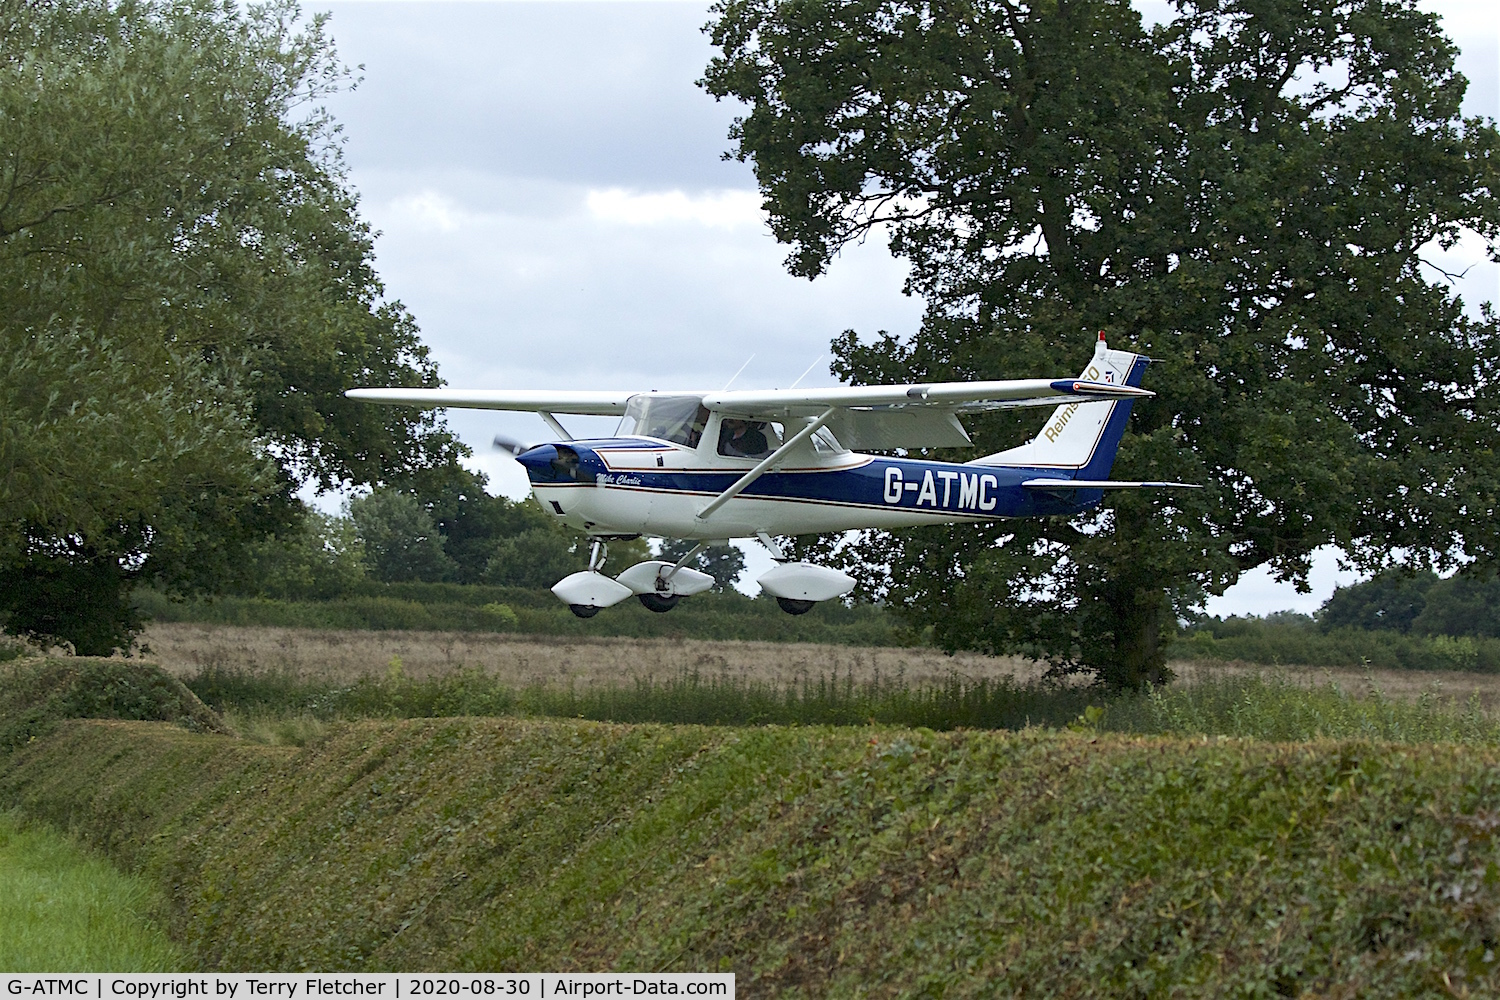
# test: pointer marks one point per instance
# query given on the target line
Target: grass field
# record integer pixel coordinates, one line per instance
(63, 909)
(509, 610)
(345, 656)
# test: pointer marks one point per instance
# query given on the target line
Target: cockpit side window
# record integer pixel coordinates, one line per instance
(678, 419)
(744, 438)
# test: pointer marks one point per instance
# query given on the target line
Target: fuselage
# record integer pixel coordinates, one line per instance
(641, 485)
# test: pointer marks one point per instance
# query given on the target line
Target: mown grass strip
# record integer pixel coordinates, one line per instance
(64, 910)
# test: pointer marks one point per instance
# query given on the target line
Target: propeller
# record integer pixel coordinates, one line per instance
(503, 443)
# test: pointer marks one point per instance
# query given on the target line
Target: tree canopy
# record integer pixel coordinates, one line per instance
(186, 289)
(1248, 192)
(1418, 603)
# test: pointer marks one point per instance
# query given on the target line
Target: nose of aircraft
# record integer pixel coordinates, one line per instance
(552, 463)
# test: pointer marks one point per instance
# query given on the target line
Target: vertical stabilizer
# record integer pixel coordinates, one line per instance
(1080, 439)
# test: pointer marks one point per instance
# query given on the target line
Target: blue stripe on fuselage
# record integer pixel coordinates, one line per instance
(880, 483)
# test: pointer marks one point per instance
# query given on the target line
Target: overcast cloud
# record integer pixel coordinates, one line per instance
(555, 210)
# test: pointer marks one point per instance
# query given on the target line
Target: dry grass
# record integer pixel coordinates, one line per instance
(184, 649)
(1404, 685)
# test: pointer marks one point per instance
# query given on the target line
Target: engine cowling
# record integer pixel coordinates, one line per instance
(560, 463)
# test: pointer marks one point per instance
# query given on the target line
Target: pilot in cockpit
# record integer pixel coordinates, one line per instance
(743, 439)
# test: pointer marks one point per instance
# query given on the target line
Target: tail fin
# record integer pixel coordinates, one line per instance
(1082, 438)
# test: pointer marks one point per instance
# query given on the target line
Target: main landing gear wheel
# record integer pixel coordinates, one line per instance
(584, 610)
(659, 603)
(795, 607)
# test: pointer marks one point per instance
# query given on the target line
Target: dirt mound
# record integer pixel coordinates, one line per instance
(36, 694)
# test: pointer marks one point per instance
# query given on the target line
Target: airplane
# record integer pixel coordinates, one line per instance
(757, 463)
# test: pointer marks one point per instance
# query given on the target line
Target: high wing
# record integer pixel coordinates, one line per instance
(912, 416)
(871, 416)
(961, 397)
(608, 404)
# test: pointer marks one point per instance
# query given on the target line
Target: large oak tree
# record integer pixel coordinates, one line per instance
(1250, 193)
(186, 289)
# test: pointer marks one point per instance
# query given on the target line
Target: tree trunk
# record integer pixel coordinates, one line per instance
(1135, 607)
(1139, 657)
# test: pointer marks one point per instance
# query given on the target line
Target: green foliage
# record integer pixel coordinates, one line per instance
(1300, 643)
(1466, 604)
(809, 861)
(537, 557)
(83, 601)
(12, 648)
(64, 908)
(1244, 193)
(481, 532)
(688, 698)
(318, 558)
(185, 291)
(724, 563)
(401, 541)
(36, 695)
(394, 696)
(456, 607)
(447, 528)
(1274, 708)
(1389, 601)
(1263, 707)
(355, 611)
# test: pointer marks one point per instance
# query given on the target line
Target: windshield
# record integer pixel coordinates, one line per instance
(678, 419)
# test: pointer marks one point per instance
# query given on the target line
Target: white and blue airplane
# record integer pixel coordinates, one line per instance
(756, 463)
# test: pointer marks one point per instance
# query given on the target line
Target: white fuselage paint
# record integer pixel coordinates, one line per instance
(654, 488)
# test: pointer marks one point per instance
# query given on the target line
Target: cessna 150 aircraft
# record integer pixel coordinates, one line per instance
(755, 463)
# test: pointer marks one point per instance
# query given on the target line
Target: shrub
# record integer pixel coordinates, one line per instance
(36, 695)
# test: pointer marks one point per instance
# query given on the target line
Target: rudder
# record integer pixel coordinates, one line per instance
(1081, 438)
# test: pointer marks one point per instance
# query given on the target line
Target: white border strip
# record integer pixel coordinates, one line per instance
(382, 985)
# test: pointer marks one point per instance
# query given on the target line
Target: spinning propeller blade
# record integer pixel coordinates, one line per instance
(503, 443)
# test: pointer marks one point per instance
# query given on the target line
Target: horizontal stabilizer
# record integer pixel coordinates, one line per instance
(1103, 484)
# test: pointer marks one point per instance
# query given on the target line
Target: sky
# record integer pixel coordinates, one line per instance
(554, 207)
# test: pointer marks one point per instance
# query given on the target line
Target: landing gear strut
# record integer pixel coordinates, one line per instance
(598, 552)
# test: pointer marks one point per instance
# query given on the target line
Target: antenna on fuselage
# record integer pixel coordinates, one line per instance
(816, 361)
(737, 374)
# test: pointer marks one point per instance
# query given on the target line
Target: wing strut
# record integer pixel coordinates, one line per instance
(553, 423)
(765, 464)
